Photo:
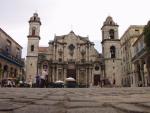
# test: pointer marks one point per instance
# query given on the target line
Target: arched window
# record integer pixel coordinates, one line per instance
(15, 73)
(32, 47)
(111, 34)
(33, 31)
(112, 51)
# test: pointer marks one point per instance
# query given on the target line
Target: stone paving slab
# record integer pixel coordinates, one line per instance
(75, 100)
(131, 108)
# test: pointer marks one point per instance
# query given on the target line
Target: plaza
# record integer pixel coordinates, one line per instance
(76, 100)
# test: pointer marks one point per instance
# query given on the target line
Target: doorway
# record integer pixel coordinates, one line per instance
(96, 80)
(71, 71)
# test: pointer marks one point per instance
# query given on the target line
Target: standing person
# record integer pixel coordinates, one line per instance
(114, 83)
(37, 81)
(43, 76)
(46, 80)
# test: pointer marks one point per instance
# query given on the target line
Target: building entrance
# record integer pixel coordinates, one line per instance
(96, 80)
(71, 71)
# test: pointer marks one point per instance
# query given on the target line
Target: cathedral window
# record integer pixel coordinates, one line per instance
(96, 68)
(111, 33)
(32, 47)
(60, 59)
(34, 18)
(71, 47)
(45, 66)
(33, 31)
(113, 51)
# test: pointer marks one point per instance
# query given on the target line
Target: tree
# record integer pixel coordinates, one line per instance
(146, 34)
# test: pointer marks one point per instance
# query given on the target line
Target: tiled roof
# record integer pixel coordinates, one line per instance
(43, 49)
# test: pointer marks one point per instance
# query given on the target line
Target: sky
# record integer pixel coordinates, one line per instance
(59, 17)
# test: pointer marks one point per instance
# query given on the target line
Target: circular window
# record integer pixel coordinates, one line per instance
(96, 68)
(71, 47)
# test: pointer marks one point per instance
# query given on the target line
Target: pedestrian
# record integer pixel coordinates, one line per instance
(114, 83)
(38, 79)
(43, 76)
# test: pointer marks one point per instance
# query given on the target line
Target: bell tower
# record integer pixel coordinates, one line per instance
(111, 51)
(32, 48)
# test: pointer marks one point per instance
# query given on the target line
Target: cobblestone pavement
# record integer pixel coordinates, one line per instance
(88, 100)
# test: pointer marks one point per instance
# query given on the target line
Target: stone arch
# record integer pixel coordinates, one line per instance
(11, 72)
(113, 52)
(112, 34)
(15, 73)
(5, 71)
(32, 47)
(33, 31)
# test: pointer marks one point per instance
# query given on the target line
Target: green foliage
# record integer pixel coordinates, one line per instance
(147, 36)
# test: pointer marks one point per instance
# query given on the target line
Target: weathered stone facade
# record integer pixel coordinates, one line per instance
(11, 64)
(111, 52)
(127, 53)
(32, 48)
(66, 56)
(139, 60)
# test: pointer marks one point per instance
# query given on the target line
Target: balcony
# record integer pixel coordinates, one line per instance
(5, 55)
(139, 54)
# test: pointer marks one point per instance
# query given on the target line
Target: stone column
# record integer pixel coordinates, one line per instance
(86, 74)
(78, 70)
(142, 72)
(92, 76)
(56, 73)
(136, 74)
(53, 74)
(88, 82)
(65, 75)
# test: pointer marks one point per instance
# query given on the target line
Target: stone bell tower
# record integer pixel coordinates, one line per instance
(111, 51)
(32, 48)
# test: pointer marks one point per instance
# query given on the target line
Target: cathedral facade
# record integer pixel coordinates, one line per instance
(66, 56)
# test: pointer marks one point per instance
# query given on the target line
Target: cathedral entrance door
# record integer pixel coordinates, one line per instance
(96, 80)
(71, 71)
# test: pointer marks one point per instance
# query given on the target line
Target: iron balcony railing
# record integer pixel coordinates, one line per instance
(7, 56)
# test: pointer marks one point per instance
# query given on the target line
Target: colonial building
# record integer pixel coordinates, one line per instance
(66, 56)
(139, 61)
(111, 52)
(11, 64)
(127, 52)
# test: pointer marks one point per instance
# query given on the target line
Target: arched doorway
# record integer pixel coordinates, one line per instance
(5, 72)
(96, 80)
(15, 73)
(11, 72)
(111, 34)
(71, 71)
(113, 52)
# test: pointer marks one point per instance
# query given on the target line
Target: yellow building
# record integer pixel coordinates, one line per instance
(127, 67)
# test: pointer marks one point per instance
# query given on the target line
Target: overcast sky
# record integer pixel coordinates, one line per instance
(84, 17)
